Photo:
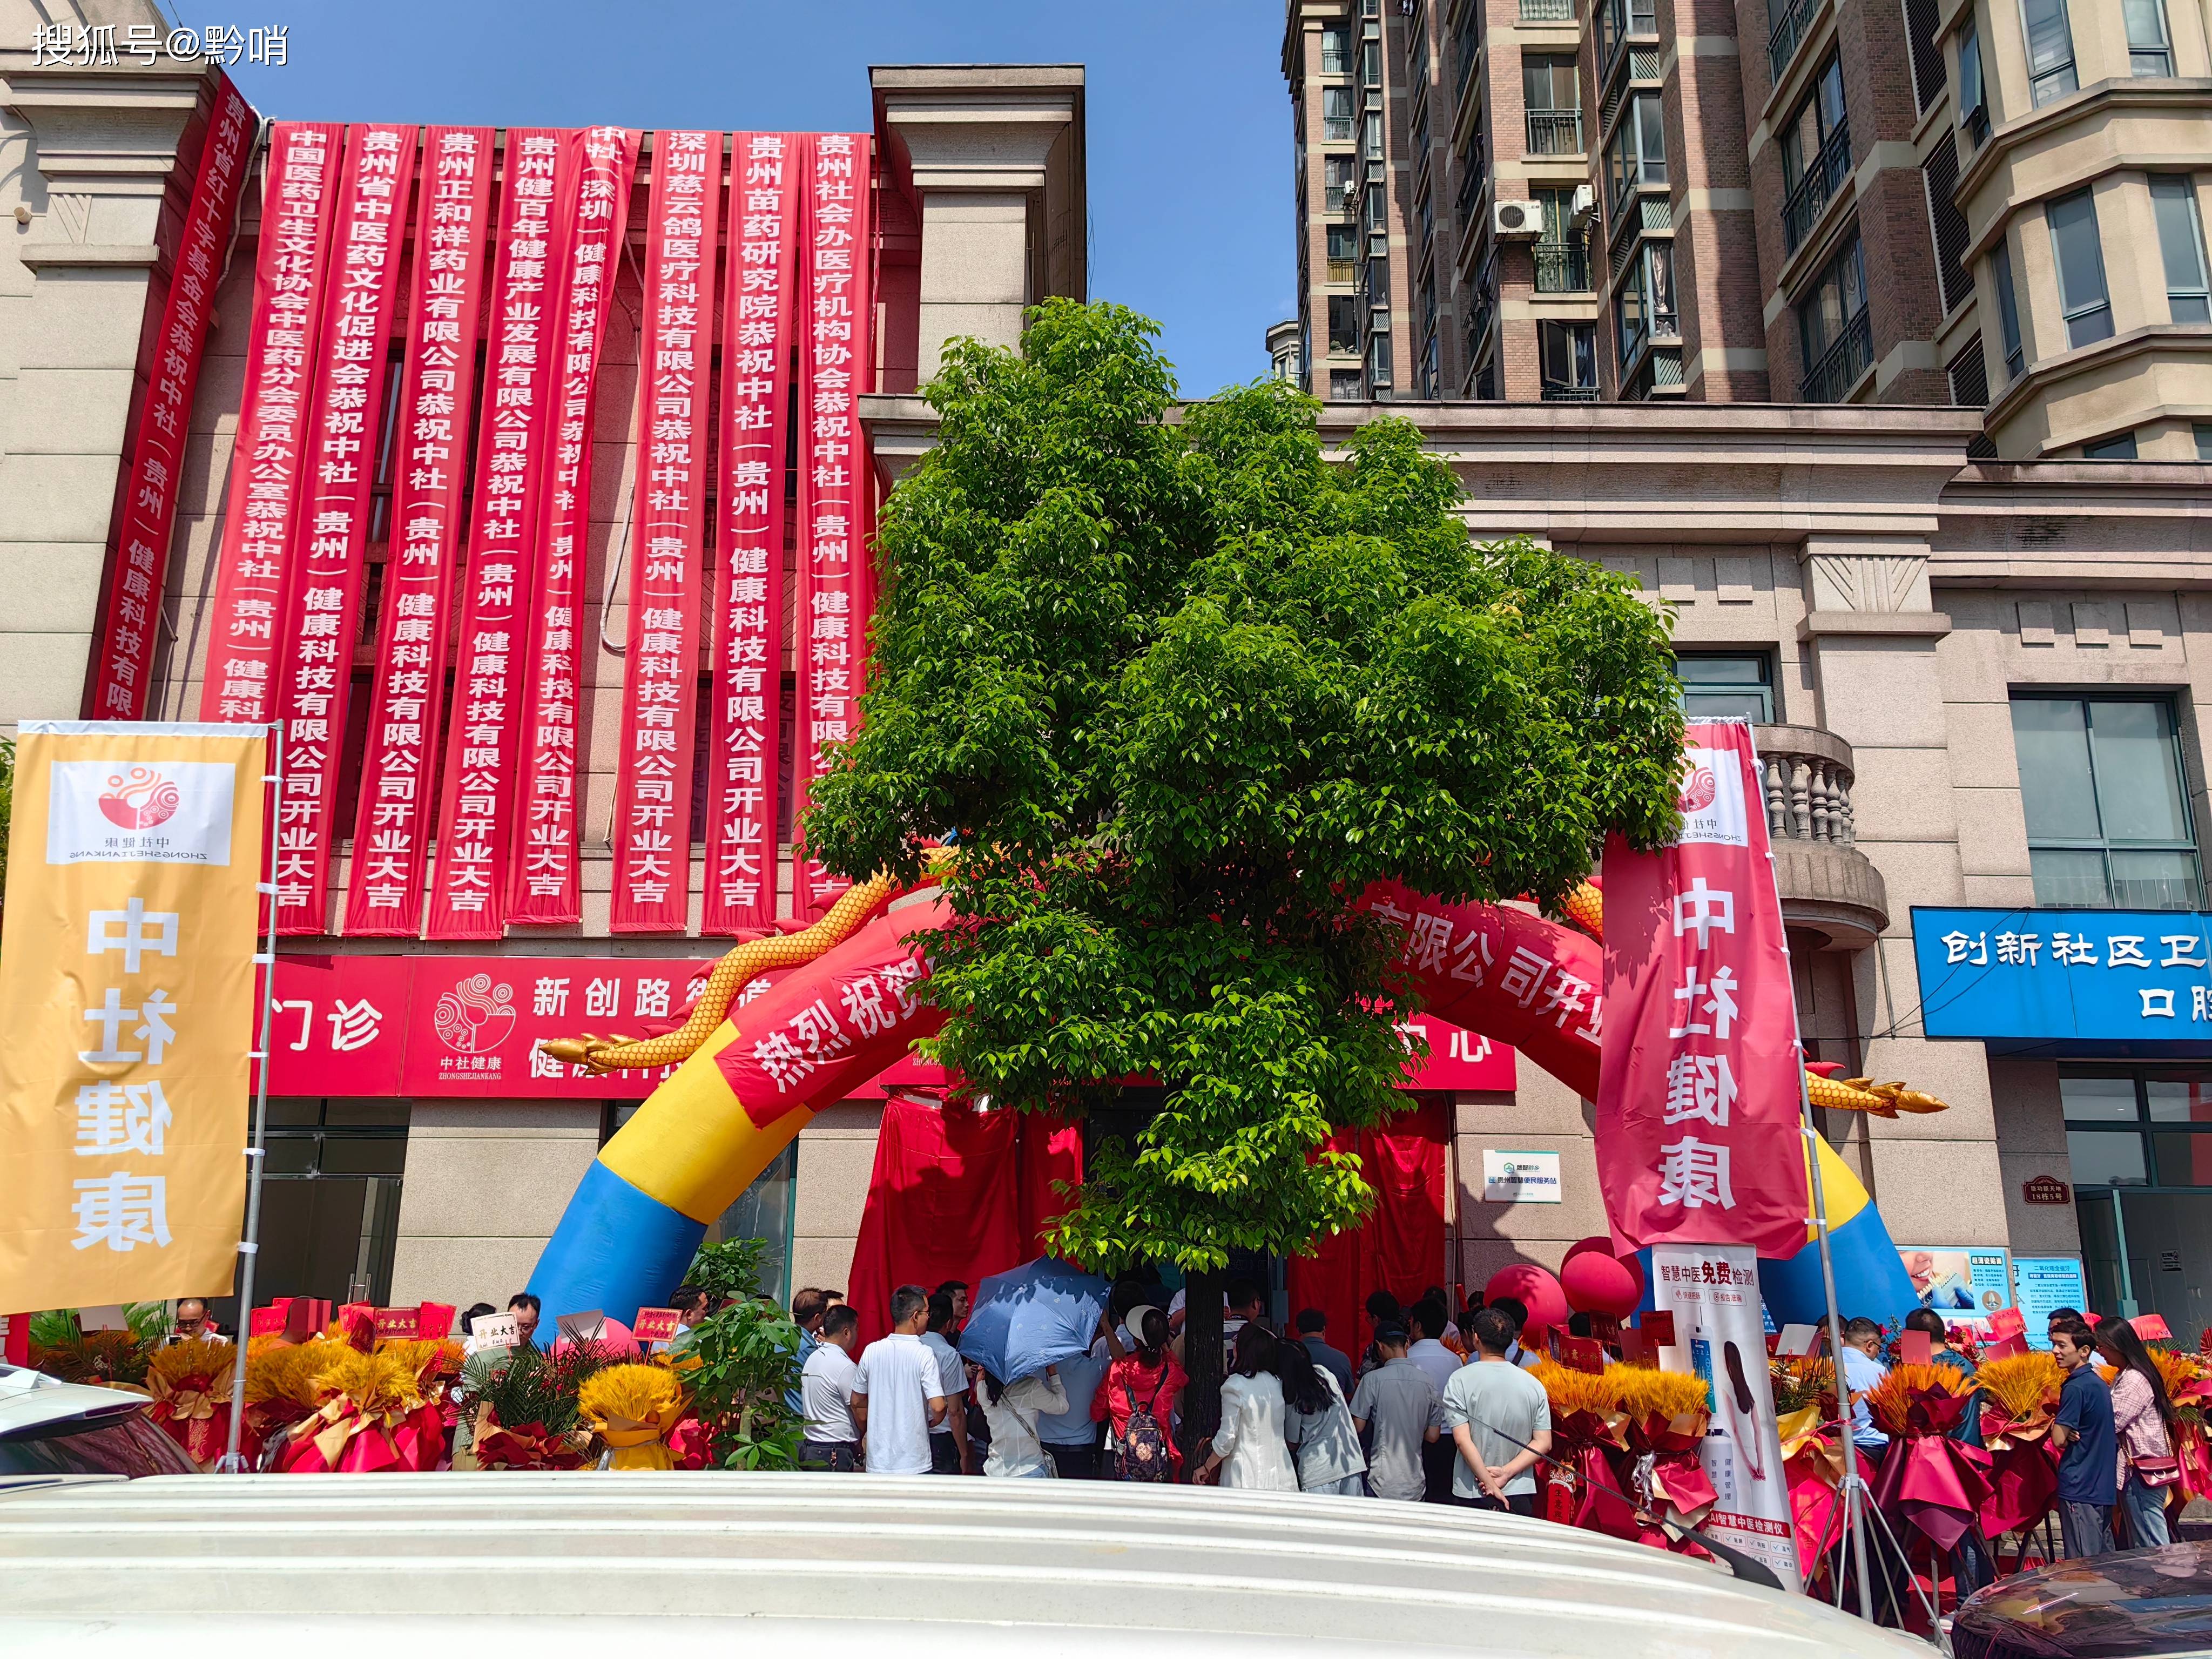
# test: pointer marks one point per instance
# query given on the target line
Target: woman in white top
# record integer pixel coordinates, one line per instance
(1319, 1424)
(1250, 1451)
(1013, 1409)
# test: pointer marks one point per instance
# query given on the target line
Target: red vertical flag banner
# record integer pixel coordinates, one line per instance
(147, 512)
(537, 202)
(651, 830)
(299, 189)
(545, 885)
(1700, 1137)
(757, 310)
(392, 829)
(322, 611)
(837, 362)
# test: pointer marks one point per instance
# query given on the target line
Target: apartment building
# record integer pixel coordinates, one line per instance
(1991, 203)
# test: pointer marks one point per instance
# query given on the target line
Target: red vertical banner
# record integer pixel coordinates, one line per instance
(391, 828)
(322, 610)
(544, 884)
(1699, 1136)
(537, 192)
(651, 830)
(299, 190)
(757, 312)
(837, 362)
(147, 514)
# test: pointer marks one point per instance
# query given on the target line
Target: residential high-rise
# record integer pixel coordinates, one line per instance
(1995, 204)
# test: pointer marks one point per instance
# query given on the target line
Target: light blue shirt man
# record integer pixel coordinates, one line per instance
(1861, 1371)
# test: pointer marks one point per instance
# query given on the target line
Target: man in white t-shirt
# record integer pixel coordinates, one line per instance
(898, 1390)
(832, 1439)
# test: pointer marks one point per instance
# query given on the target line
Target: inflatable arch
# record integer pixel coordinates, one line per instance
(846, 1013)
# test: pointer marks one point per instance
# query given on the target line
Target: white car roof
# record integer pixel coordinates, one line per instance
(29, 1400)
(809, 1563)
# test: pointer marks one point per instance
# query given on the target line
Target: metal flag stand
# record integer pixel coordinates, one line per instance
(250, 1247)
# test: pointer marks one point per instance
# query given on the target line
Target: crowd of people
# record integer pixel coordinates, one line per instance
(1435, 1409)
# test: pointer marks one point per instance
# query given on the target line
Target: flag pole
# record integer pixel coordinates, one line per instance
(250, 1247)
(1854, 1494)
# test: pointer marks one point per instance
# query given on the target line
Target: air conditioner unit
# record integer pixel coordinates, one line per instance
(1522, 221)
(1585, 203)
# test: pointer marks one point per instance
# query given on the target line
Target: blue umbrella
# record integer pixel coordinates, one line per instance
(1032, 1316)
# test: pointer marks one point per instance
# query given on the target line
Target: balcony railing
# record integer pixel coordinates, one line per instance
(1807, 784)
(1556, 393)
(1343, 270)
(1555, 132)
(1562, 269)
(1842, 363)
(1337, 198)
(1547, 11)
(1800, 208)
(1791, 25)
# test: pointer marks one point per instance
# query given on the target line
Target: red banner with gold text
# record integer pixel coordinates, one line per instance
(545, 885)
(392, 829)
(299, 191)
(467, 897)
(652, 829)
(758, 320)
(323, 600)
(147, 512)
(1699, 1125)
(837, 361)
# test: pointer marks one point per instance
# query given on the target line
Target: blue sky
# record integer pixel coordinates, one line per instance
(1190, 121)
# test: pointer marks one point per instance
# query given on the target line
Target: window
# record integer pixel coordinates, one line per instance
(1336, 49)
(2149, 51)
(2181, 241)
(1816, 154)
(330, 1206)
(1343, 322)
(1378, 361)
(1336, 108)
(1343, 253)
(1566, 355)
(2143, 1128)
(1371, 136)
(1337, 174)
(1973, 100)
(1644, 307)
(1563, 265)
(1553, 94)
(1371, 62)
(2082, 296)
(1378, 223)
(1344, 386)
(2007, 308)
(2101, 784)
(2122, 448)
(2204, 443)
(1726, 688)
(2049, 50)
(1831, 327)
(1638, 155)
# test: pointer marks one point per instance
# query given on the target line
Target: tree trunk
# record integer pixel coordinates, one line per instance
(1202, 1361)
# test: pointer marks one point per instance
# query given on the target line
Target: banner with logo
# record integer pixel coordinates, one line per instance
(652, 829)
(544, 884)
(1699, 1125)
(1712, 1289)
(127, 972)
(147, 513)
(386, 885)
(329, 559)
(835, 493)
(299, 191)
(476, 801)
(745, 761)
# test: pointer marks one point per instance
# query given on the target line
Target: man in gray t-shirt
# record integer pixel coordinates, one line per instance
(1500, 1419)
(1399, 1411)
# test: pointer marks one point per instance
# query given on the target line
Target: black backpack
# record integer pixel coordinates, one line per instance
(1145, 1452)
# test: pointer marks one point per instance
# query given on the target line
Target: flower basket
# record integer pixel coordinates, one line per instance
(1668, 1414)
(1935, 1483)
(633, 1409)
(190, 1384)
(373, 1417)
(2019, 1396)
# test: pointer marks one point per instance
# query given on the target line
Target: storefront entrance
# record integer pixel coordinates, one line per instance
(2140, 1140)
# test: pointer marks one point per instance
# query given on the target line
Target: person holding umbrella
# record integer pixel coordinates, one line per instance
(1012, 1410)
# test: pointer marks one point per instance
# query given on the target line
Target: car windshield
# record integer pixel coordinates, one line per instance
(129, 1446)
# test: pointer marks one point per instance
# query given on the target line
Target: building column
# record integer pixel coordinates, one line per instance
(1871, 632)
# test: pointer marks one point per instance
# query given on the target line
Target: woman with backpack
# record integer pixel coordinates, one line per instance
(1250, 1450)
(1140, 1397)
(2143, 1421)
(1319, 1424)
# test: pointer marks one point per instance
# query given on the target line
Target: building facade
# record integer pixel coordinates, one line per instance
(1994, 204)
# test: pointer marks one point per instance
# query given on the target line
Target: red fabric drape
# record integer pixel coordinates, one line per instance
(1401, 1249)
(955, 1194)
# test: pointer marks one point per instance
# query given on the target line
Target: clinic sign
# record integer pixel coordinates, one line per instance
(2064, 976)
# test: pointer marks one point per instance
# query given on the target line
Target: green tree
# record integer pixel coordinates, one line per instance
(1183, 688)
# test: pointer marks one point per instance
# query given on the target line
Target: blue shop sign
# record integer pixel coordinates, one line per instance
(2085, 980)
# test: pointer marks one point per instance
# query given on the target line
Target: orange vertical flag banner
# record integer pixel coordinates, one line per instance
(127, 969)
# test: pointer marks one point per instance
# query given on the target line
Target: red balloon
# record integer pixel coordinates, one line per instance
(1534, 1290)
(1596, 1282)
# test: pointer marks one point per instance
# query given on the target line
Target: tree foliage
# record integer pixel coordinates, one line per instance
(1183, 688)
